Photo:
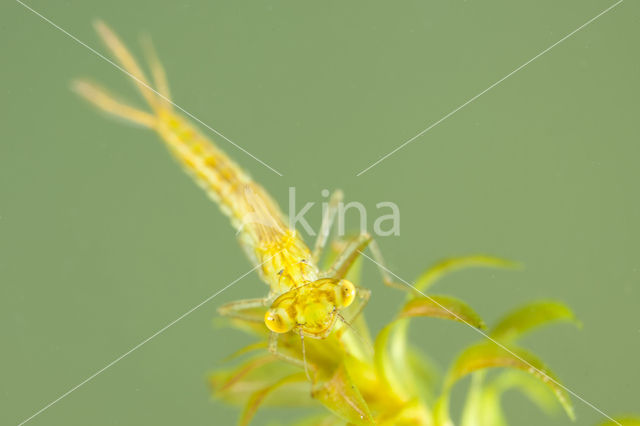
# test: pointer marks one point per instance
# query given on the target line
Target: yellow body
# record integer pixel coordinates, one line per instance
(301, 299)
(284, 258)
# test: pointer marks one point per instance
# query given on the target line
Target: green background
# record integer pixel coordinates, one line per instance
(103, 240)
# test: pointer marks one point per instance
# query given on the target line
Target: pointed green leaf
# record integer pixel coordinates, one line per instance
(409, 413)
(320, 420)
(434, 273)
(343, 398)
(441, 411)
(482, 406)
(225, 383)
(535, 390)
(623, 421)
(258, 397)
(425, 374)
(491, 410)
(442, 307)
(245, 350)
(385, 367)
(418, 374)
(236, 385)
(392, 361)
(488, 355)
(529, 317)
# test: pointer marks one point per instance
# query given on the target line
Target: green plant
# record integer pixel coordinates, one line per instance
(386, 380)
(360, 380)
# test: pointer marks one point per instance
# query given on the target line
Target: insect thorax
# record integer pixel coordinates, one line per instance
(287, 264)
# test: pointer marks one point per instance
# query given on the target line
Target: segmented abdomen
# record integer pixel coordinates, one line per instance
(283, 256)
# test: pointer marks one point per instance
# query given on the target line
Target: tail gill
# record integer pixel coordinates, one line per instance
(157, 95)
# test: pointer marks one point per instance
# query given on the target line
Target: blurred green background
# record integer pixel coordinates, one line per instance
(104, 240)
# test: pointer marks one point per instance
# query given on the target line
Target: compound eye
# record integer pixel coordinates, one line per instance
(278, 321)
(347, 292)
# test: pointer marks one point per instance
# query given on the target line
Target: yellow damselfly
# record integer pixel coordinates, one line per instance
(303, 298)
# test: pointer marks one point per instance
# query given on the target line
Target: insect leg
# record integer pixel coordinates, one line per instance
(235, 309)
(273, 348)
(325, 228)
(354, 248)
(380, 263)
(348, 256)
